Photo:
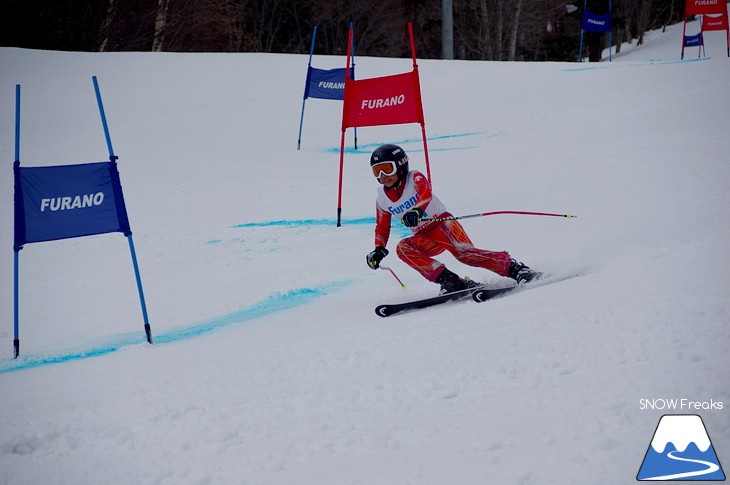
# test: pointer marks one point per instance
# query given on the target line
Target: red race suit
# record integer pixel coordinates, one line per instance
(430, 238)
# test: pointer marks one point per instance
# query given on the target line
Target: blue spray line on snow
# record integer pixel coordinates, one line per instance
(274, 303)
(307, 222)
(400, 230)
(365, 149)
(650, 62)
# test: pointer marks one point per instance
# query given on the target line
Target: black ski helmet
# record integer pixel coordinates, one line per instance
(391, 153)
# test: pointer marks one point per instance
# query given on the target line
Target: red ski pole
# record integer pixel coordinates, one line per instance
(402, 285)
(454, 218)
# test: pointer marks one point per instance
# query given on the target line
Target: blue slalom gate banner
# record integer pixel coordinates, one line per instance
(326, 83)
(323, 84)
(693, 40)
(596, 23)
(60, 202)
(67, 201)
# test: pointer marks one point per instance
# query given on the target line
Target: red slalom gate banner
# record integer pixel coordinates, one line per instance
(714, 23)
(387, 100)
(717, 22)
(704, 7)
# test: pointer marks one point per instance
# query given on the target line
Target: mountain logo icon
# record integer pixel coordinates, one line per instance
(681, 450)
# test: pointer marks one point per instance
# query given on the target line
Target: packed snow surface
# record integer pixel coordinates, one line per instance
(269, 365)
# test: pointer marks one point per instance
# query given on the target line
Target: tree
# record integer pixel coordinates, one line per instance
(500, 30)
(160, 26)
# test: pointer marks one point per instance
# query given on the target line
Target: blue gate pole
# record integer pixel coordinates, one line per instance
(306, 87)
(580, 49)
(16, 286)
(610, 31)
(147, 329)
(16, 337)
(17, 122)
(112, 158)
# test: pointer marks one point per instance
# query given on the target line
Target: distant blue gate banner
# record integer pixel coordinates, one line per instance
(596, 23)
(693, 40)
(327, 84)
(59, 202)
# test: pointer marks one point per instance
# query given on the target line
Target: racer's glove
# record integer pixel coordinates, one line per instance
(412, 217)
(376, 256)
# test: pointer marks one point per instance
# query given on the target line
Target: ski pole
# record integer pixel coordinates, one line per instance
(454, 218)
(394, 276)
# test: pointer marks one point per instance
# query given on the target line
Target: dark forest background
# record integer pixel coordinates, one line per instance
(509, 30)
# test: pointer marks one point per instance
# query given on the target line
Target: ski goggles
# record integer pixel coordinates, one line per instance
(384, 168)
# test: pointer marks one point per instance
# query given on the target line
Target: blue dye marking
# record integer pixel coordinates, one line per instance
(410, 150)
(400, 230)
(404, 142)
(445, 149)
(274, 303)
(650, 62)
(308, 222)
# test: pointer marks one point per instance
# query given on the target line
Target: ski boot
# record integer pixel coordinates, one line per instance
(522, 273)
(450, 282)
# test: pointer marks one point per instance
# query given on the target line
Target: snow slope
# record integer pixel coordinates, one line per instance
(270, 366)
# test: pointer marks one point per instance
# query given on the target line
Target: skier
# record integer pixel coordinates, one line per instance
(407, 195)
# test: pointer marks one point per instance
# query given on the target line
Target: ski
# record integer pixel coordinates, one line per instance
(393, 308)
(479, 294)
(486, 293)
